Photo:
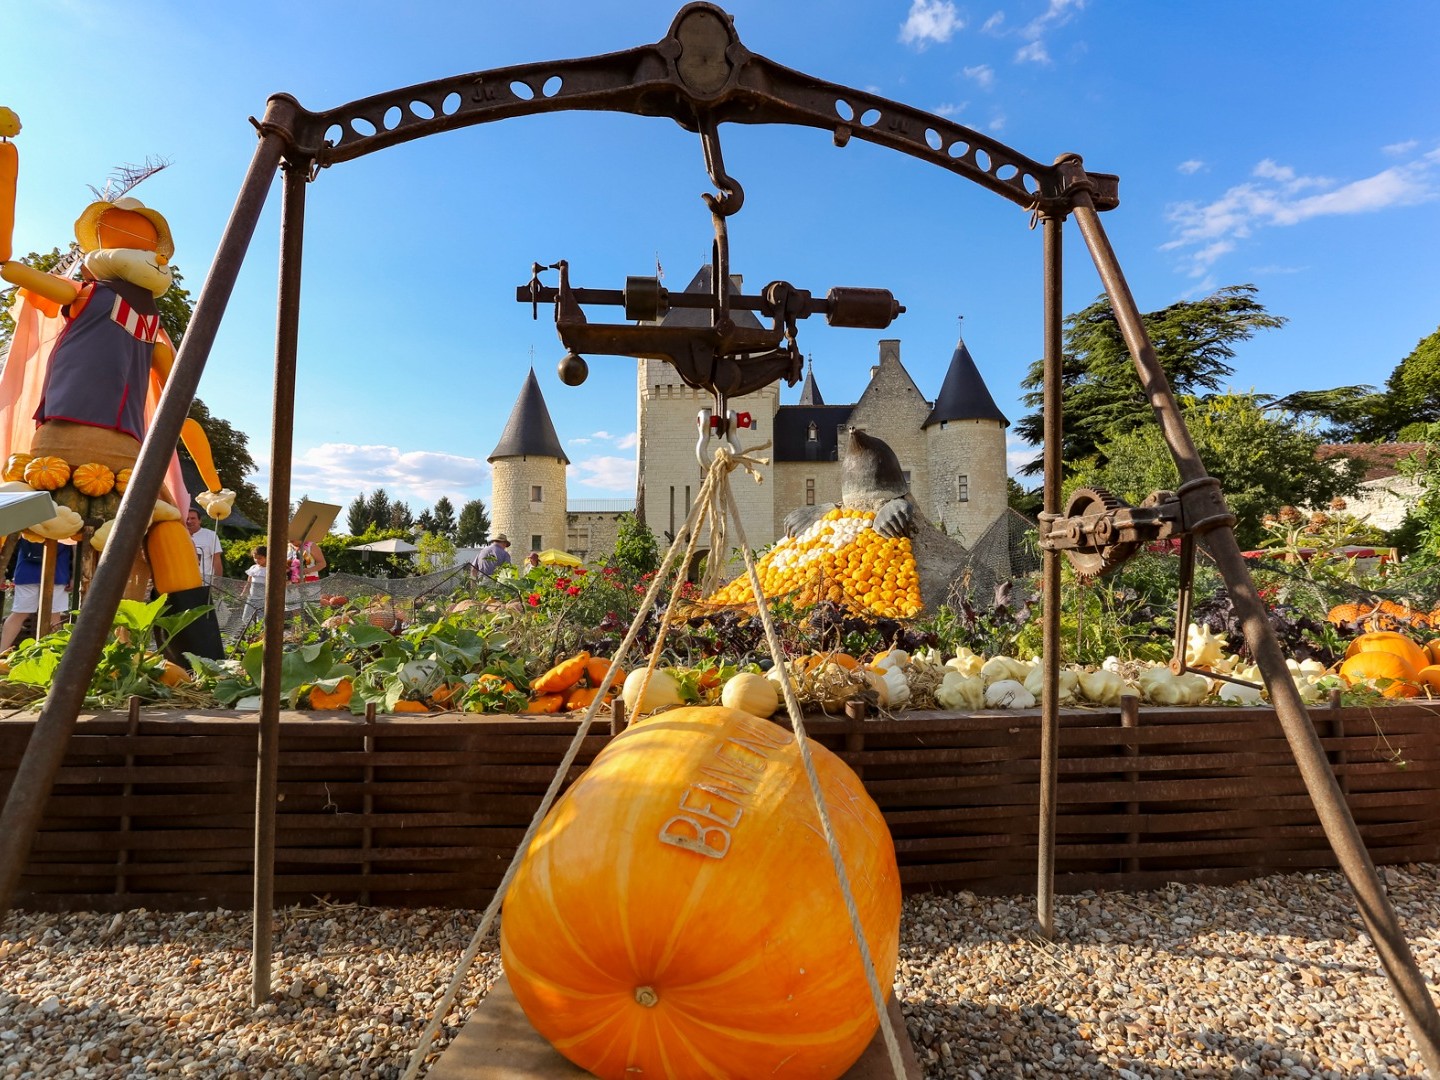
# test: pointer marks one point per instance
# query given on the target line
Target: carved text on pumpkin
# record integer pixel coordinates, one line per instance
(713, 806)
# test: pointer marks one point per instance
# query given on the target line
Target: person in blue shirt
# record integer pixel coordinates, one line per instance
(28, 558)
(492, 556)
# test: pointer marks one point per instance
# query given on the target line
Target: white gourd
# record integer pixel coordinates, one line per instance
(962, 693)
(1008, 694)
(1069, 683)
(662, 690)
(1102, 687)
(750, 693)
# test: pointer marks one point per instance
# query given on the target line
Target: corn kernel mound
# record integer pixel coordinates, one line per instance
(842, 559)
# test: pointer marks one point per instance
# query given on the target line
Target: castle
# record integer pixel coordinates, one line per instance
(952, 449)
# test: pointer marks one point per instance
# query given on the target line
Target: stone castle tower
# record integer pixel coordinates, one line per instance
(527, 500)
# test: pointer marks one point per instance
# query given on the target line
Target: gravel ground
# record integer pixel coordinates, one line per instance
(1270, 978)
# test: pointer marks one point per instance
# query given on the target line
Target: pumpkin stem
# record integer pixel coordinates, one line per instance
(647, 996)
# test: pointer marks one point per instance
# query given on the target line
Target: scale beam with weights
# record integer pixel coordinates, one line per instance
(699, 75)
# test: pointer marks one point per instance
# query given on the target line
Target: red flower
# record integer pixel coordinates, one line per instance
(534, 599)
(561, 582)
(573, 590)
(580, 571)
(609, 571)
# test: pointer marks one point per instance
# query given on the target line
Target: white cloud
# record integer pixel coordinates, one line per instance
(1399, 149)
(1018, 454)
(1033, 53)
(998, 123)
(950, 108)
(930, 21)
(605, 473)
(1207, 231)
(993, 23)
(601, 435)
(1191, 167)
(983, 74)
(337, 472)
(1058, 13)
(627, 442)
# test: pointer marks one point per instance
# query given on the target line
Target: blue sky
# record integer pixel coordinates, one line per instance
(1295, 147)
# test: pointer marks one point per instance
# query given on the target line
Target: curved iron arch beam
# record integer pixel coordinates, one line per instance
(701, 69)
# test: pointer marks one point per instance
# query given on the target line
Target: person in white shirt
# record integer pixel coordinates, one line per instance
(207, 548)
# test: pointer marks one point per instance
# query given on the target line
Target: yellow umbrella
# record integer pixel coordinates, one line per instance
(556, 557)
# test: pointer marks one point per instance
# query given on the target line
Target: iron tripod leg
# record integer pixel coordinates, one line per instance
(1340, 829)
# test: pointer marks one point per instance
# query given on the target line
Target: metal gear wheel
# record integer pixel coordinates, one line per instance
(1103, 556)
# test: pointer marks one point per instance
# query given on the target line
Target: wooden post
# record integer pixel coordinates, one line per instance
(617, 716)
(1130, 720)
(367, 802)
(47, 588)
(855, 732)
(1339, 757)
(132, 728)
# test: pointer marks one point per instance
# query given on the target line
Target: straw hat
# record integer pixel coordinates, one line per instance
(87, 226)
(501, 538)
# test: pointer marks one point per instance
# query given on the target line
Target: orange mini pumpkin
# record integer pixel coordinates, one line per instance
(544, 704)
(596, 668)
(407, 706)
(1389, 641)
(15, 467)
(47, 473)
(563, 675)
(1429, 678)
(122, 480)
(93, 479)
(677, 913)
(1392, 676)
(580, 697)
(339, 698)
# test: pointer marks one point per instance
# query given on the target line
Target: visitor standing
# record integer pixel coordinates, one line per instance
(29, 558)
(492, 556)
(207, 548)
(255, 589)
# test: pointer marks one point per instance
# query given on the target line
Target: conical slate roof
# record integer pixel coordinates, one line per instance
(529, 432)
(810, 393)
(963, 394)
(703, 282)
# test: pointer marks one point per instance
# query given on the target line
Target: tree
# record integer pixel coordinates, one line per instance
(400, 516)
(425, 523)
(1023, 500)
(1101, 396)
(1263, 462)
(377, 509)
(357, 515)
(636, 552)
(473, 528)
(444, 516)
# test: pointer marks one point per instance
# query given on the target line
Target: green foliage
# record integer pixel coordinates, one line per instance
(436, 553)
(1423, 521)
(444, 515)
(1027, 501)
(473, 527)
(1101, 395)
(127, 666)
(636, 551)
(1262, 462)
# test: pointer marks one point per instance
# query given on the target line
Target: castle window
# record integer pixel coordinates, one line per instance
(942, 425)
(812, 433)
(536, 494)
(962, 488)
(810, 488)
(535, 544)
(687, 500)
(672, 509)
(906, 474)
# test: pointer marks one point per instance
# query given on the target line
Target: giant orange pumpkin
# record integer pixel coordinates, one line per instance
(678, 915)
(1391, 674)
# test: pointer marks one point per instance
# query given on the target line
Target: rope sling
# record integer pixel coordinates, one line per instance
(713, 505)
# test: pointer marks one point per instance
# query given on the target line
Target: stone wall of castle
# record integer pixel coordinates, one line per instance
(591, 534)
(792, 487)
(892, 408)
(532, 524)
(668, 469)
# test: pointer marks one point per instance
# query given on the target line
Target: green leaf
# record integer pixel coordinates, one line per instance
(139, 617)
(36, 669)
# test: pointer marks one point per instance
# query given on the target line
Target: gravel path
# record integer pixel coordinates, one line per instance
(1271, 978)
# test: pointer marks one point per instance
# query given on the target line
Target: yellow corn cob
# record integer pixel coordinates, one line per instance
(841, 559)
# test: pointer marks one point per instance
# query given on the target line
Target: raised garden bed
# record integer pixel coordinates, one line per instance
(158, 812)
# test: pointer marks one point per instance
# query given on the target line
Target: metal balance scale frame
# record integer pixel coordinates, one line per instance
(701, 75)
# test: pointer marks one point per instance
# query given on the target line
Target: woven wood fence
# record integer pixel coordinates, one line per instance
(156, 809)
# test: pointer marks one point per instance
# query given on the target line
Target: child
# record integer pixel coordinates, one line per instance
(255, 590)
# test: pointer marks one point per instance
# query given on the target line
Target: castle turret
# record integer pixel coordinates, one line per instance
(527, 501)
(965, 431)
